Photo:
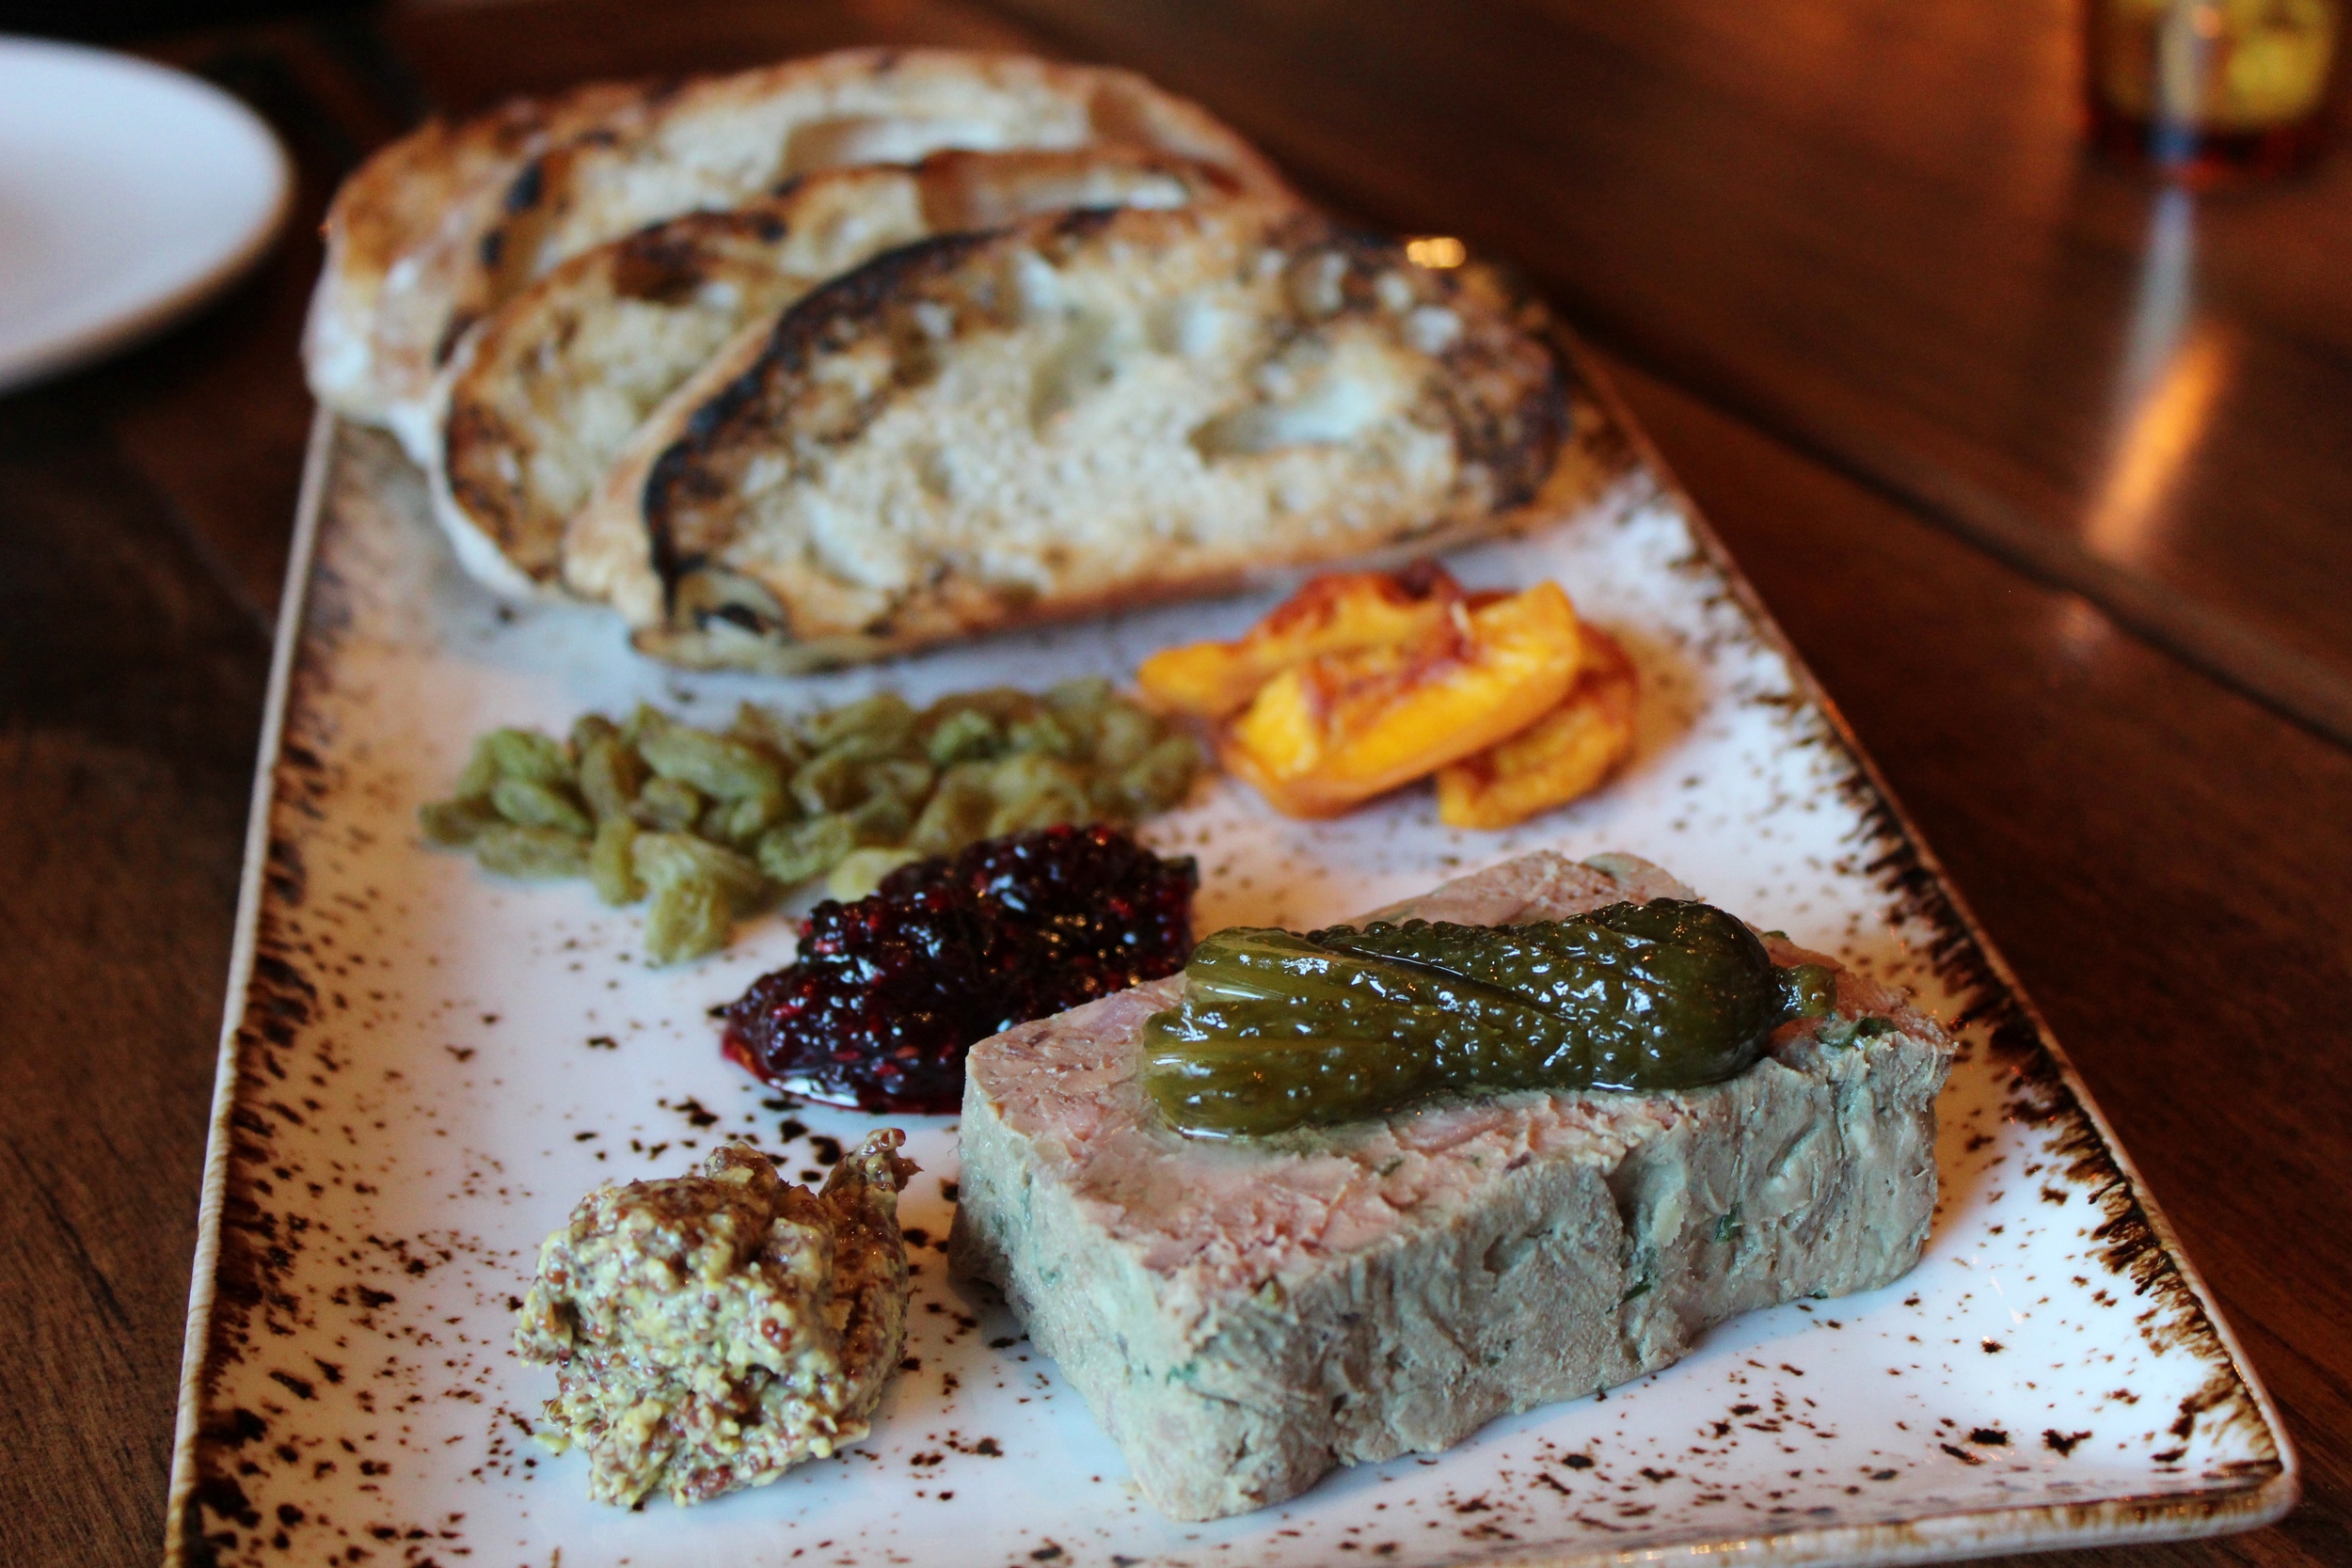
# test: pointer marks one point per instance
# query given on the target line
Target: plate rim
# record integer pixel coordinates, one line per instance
(293, 600)
(2258, 1499)
(2277, 1493)
(94, 339)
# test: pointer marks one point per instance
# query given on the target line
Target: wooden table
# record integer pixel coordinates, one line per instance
(2049, 476)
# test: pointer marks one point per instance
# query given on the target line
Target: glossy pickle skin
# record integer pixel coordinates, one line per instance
(1279, 1031)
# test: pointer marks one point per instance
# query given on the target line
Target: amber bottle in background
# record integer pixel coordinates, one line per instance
(2210, 91)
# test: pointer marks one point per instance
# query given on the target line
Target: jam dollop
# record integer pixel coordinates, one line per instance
(889, 991)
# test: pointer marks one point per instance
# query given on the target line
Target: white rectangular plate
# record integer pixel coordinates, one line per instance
(424, 1067)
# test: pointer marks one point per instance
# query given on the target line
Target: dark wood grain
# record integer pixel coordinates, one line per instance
(130, 700)
(1855, 269)
(213, 415)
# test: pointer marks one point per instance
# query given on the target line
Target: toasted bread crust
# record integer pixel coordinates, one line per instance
(444, 174)
(539, 398)
(444, 227)
(511, 402)
(1480, 413)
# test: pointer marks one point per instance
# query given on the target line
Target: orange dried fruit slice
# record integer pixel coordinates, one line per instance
(1565, 753)
(1340, 613)
(1328, 733)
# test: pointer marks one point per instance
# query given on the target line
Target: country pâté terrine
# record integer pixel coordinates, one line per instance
(1244, 1315)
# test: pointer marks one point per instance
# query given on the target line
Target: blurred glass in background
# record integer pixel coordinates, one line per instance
(2208, 91)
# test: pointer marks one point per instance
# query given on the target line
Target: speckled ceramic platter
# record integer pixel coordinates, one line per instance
(423, 1067)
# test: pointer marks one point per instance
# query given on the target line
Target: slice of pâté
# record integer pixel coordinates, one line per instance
(710, 1332)
(1244, 1315)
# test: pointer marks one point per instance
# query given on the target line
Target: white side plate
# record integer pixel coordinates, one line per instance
(128, 195)
(425, 1068)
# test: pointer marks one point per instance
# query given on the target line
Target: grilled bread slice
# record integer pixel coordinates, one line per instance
(653, 153)
(1077, 412)
(443, 177)
(539, 396)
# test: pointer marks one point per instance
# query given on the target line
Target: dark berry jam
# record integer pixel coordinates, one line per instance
(890, 992)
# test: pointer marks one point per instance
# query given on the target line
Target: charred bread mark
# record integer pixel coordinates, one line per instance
(1488, 380)
(682, 475)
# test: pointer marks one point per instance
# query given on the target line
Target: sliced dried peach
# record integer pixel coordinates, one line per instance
(1338, 612)
(1335, 730)
(1565, 753)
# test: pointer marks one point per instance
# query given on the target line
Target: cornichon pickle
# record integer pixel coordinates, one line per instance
(1278, 1031)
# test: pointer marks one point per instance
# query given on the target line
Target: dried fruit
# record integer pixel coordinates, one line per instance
(1363, 681)
(715, 823)
(1337, 613)
(514, 851)
(612, 861)
(890, 990)
(1563, 754)
(1341, 728)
